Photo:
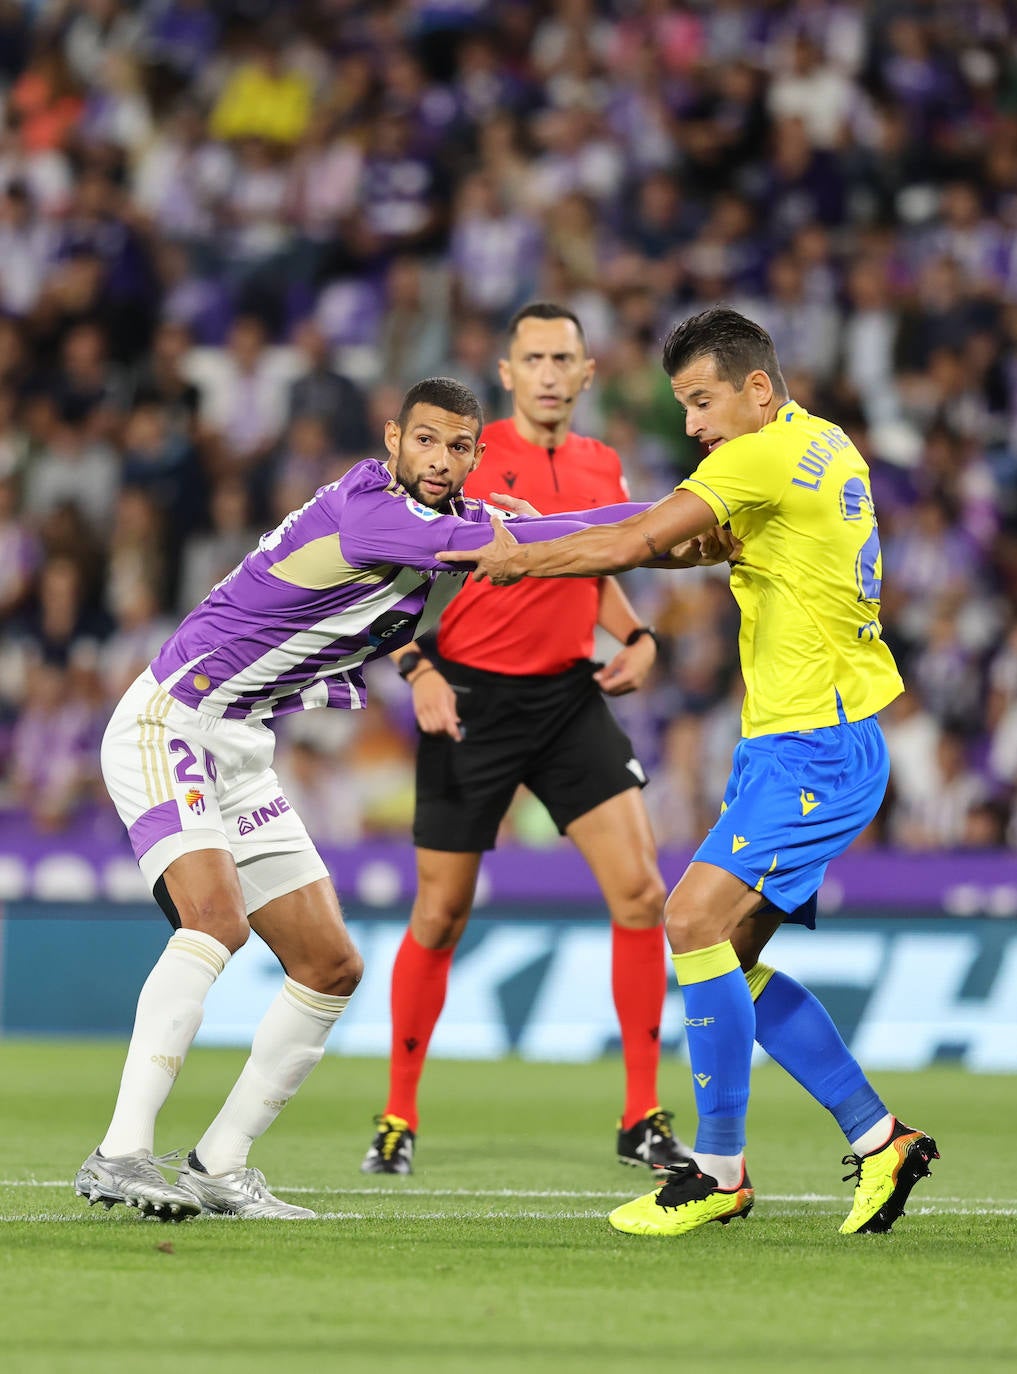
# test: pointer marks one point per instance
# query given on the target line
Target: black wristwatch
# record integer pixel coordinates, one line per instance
(411, 659)
(638, 633)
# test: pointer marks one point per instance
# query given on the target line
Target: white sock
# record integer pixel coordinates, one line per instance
(169, 1013)
(287, 1045)
(726, 1169)
(874, 1137)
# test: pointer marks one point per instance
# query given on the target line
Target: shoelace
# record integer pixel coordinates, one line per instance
(252, 1182)
(174, 1158)
(661, 1121)
(392, 1137)
(148, 1166)
(393, 1134)
(249, 1180)
(679, 1179)
(856, 1172)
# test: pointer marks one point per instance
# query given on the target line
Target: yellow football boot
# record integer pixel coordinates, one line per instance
(391, 1149)
(652, 1142)
(886, 1177)
(686, 1199)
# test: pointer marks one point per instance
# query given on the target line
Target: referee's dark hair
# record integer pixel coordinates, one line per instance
(736, 344)
(545, 310)
(445, 393)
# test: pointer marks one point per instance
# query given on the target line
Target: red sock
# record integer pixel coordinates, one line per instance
(419, 983)
(639, 982)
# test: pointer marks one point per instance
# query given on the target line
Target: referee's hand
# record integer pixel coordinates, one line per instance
(515, 504)
(434, 704)
(629, 668)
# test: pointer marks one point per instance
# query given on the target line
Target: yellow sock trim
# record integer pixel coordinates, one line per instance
(758, 977)
(700, 965)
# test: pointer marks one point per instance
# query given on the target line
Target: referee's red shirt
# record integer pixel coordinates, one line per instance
(541, 625)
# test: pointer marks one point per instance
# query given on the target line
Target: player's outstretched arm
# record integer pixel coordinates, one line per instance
(523, 529)
(390, 527)
(605, 515)
(647, 538)
(718, 545)
(465, 538)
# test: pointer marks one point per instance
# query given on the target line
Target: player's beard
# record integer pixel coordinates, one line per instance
(413, 486)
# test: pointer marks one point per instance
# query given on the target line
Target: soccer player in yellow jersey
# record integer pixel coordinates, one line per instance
(809, 773)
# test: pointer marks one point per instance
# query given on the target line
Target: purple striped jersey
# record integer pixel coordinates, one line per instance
(350, 576)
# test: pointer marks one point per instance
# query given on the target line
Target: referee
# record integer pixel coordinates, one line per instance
(512, 697)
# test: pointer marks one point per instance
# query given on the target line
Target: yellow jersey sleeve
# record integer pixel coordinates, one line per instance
(745, 474)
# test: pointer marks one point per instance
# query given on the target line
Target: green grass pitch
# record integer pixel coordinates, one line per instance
(496, 1255)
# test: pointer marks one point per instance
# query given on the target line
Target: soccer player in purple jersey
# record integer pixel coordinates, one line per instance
(187, 759)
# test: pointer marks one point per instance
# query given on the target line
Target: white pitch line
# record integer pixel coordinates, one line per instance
(388, 1215)
(549, 1193)
(397, 1191)
(461, 1216)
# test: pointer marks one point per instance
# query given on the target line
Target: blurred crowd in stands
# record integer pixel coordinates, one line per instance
(232, 233)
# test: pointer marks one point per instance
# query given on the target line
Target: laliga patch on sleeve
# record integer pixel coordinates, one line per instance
(422, 512)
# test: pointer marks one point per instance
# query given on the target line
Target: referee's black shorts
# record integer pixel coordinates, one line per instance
(554, 734)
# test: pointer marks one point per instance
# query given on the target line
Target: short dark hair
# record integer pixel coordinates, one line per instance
(736, 344)
(545, 310)
(445, 393)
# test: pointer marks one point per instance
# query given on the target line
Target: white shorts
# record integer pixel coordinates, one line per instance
(182, 781)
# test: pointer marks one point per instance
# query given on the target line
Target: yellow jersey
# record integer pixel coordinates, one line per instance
(797, 495)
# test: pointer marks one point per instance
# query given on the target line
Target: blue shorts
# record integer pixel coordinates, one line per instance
(794, 802)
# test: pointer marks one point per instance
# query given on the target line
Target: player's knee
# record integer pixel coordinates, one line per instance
(438, 925)
(335, 972)
(691, 927)
(346, 973)
(643, 907)
(219, 919)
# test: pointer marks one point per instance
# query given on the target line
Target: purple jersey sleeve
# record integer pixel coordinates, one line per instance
(600, 515)
(526, 529)
(391, 527)
(535, 529)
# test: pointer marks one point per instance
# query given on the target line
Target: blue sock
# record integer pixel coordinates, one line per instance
(795, 1029)
(719, 1026)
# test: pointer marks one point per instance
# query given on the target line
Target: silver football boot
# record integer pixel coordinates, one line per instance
(239, 1193)
(135, 1180)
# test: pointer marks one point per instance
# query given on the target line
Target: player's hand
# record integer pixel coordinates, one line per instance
(629, 668)
(515, 504)
(718, 545)
(434, 703)
(495, 560)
